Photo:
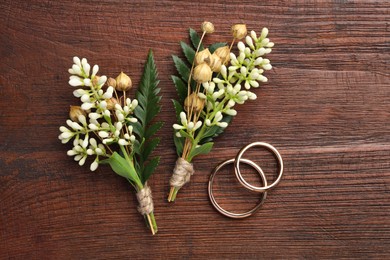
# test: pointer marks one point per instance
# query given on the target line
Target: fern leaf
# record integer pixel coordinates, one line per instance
(188, 51)
(178, 108)
(181, 88)
(149, 168)
(195, 39)
(181, 67)
(147, 109)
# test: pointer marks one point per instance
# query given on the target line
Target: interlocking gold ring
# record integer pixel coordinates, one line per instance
(242, 180)
(228, 213)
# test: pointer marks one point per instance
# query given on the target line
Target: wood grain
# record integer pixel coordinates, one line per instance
(326, 108)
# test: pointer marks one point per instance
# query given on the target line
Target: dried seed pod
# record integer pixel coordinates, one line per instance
(111, 103)
(239, 31)
(215, 63)
(202, 73)
(203, 57)
(95, 80)
(194, 102)
(207, 27)
(123, 82)
(224, 54)
(75, 112)
(111, 82)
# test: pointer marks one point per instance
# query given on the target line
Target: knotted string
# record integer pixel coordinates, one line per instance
(145, 200)
(182, 173)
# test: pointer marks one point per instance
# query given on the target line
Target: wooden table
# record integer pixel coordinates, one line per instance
(326, 108)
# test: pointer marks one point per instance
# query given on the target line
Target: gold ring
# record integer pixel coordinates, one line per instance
(242, 180)
(228, 213)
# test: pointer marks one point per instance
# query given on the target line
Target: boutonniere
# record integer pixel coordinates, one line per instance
(211, 82)
(109, 127)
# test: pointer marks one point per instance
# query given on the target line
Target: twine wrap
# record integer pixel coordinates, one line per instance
(145, 200)
(182, 173)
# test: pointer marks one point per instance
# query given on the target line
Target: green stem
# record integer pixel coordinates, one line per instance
(152, 223)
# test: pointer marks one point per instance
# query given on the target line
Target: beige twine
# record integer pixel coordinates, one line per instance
(182, 173)
(145, 200)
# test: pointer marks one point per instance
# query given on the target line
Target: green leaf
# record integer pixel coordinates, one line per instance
(214, 131)
(147, 109)
(178, 109)
(137, 128)
(186, 135)
(179, 144)
(203, 149)
(181, 88)
(150, 146)
(152, 129)
(122, 167)
(188, 51)
(215, 46)
(150, 168)
(181, 67)
(195, 39)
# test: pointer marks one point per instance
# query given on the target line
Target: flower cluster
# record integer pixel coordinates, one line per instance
(100, 115)
(233, 81)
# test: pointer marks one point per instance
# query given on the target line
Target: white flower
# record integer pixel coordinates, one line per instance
(82, 160)
(85, 66)
(218, 94)
(190, 126)
(183, 118)
(249, 41)
(123, 142)
(94, 165)
(202, 96)
(259, 52)
(75, 81)
(264, 33)
(224, 71)
(109, 92)
(253, 35)
(241, 46)
(251, 96)
(267, 66)
(95, 70)
(87, 106)
(103, 134)
(178, 127)
(101, 81)
(77, 61)
(222, 124)
(230, 112)
(197, 125)
(218, 116)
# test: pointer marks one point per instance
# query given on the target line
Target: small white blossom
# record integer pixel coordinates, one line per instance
(222, 124)
(94, 165)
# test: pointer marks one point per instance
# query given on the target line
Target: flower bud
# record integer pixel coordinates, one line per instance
(203, 57)
(202, 73)
(123, 82)
(239, 31)
(215, 63)
(207, 27)
(111, 82)
(111, 103)
(224, 54)
(194, 102)
(75, 112)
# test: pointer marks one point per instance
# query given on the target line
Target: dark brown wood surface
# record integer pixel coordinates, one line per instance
(326, 108)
